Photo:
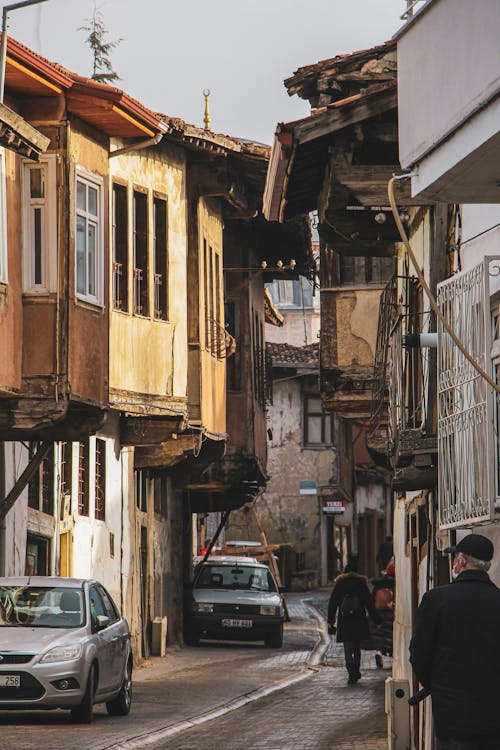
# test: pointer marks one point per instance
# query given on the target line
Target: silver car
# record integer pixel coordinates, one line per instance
(63, 644)
(234, 598)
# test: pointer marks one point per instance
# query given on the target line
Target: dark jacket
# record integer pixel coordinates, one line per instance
(455, 652)
(381, 637)
(352, 628)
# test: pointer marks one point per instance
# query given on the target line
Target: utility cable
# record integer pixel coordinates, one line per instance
(426, 288)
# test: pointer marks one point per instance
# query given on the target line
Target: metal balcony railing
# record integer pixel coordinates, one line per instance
(408, 378)
(138, 276)
(118, 290)
(220, 343)
(386, 318)
(158, 297)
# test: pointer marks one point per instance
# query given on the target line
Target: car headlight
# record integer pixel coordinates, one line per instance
(203, 607)
(268, 609)
(63, 653)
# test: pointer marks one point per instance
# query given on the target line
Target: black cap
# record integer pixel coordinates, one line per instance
(474, 545)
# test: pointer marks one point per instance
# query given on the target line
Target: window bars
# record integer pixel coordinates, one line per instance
(466, 428)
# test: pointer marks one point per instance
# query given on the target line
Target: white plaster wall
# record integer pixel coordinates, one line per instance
(483, 220)
(447, 86)
(14, 528)
(401, 668)
(298, 329)
(370, 497)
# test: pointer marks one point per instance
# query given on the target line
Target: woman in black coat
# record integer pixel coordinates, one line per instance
(349, 602)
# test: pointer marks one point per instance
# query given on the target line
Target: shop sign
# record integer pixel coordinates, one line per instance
(308, 487)
(333, 507)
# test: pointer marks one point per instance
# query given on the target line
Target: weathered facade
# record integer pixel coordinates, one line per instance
(337, 161)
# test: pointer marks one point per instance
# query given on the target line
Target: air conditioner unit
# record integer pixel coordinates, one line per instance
(397, 709)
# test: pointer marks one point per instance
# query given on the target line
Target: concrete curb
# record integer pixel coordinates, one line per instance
(313, 661)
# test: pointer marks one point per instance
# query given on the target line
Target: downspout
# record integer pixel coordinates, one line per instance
(137, 146)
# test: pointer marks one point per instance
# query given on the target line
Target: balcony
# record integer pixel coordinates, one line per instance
(448, 133)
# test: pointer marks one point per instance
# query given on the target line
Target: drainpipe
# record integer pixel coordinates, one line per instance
(137, 146)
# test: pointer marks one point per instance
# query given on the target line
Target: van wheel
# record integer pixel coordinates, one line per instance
(274, 639)
(120, 706)
(84, 712)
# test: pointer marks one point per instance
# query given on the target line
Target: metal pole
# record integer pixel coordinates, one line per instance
(3, 47)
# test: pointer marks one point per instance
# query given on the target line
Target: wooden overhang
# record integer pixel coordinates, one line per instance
(301, 150)
(29, 74)
(111, 110)
(107, 108)
(18, 135)
(272, 314)
(235, 170)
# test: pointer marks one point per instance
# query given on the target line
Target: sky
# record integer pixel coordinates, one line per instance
(172, 50)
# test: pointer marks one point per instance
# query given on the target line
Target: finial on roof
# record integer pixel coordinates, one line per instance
(207, 118)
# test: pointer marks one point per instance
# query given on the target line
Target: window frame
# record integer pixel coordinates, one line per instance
(323, 415)
(48, 235)
(89, 179)
(4, 276)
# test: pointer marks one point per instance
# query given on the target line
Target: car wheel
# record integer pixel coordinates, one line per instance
(83, 713)
(120, 706)
(192, 637)
(274, 639)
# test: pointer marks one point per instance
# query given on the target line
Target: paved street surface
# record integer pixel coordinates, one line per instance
(189, 685)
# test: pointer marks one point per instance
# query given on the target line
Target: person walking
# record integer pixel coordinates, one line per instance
(349, 602)
(455, 650)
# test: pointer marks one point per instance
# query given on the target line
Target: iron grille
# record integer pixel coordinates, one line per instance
(465, 400)
(386, 318)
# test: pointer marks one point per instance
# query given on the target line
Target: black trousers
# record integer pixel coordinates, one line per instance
(479, 744)
(352, 652)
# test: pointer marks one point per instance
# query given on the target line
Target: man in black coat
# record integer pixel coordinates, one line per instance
(455, 651)
(351, 598)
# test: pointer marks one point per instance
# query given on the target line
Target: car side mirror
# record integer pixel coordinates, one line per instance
(101, 622)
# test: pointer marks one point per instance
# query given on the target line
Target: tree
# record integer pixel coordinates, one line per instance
(101, 49)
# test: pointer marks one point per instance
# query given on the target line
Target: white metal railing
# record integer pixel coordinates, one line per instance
(410, 7)
(117, 285)
(465, 401)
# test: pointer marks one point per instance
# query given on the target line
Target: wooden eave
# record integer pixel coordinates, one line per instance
(111, 110)
(18, 135)
(29, 74)
(146, 431)
(300, 152)
(272, 314)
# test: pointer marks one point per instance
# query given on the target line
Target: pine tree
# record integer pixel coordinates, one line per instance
(101, 49)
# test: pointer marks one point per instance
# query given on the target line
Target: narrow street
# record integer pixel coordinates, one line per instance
(232, 696)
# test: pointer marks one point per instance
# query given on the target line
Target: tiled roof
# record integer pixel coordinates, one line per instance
(288, 355)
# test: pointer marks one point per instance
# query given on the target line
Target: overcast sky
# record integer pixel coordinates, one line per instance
(242, 52)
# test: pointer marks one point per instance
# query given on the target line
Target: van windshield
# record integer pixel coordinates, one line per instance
(37, 607)
(245, 577)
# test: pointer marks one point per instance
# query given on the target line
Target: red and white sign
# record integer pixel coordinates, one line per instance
(333, 506)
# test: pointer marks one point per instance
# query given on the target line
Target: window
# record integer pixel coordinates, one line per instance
(120, 248)
(160, 259)
(3, 220)
(294, 293)
(360, 270)
(41, 490)
(160, 495)
(214, 331)
(39, 226)
(100, 479)
(89, 239)
(141, 490)
(317, 423)
(66, 467)
(141, 265)
(83, 478)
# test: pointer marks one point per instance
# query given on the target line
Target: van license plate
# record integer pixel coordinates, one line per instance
(236, 623)
(10, 680)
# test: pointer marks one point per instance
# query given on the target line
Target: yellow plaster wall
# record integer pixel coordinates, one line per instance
(212, 370)
(357, 321)
(146, 355)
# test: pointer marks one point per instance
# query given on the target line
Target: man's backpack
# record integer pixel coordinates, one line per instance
(351, 606)
(384, 599)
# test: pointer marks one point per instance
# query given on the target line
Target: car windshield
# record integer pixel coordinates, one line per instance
(41, 607)
(246, 577)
